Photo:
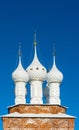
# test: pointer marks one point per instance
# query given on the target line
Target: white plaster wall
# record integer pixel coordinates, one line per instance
(36, 92)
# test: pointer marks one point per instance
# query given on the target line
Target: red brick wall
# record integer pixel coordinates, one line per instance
(54, 109)
(38, 124)
(11, 123)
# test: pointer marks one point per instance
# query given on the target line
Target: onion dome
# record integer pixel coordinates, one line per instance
(20, 75)
(54, 75)
(36, 70)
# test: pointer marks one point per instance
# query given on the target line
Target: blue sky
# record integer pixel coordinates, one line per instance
(55, 21)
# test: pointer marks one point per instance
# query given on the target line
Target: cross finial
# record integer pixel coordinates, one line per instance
(19, 51)
(54, 51)
(35, 43)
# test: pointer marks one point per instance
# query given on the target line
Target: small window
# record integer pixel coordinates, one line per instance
(42, 68)
(37, 68)
(31, 68)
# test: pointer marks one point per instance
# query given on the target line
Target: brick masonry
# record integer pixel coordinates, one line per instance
(45, 123)
(27, 123)
(37, 109)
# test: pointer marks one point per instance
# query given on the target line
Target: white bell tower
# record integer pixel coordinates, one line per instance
(20, 78)
(54, 78)
(37, 74)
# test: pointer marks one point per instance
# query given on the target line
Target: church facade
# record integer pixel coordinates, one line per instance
(36, 115)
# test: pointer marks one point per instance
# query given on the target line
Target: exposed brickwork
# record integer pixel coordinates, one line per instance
(54, 109)
(27, 123)
(38, 123)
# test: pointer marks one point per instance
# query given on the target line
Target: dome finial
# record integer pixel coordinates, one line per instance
(19, 52)
(54, 53)
(35, 43)
(19, 74)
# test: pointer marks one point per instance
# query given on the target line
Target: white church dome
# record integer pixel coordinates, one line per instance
(54, 75)
(20, 74)
(36, 70)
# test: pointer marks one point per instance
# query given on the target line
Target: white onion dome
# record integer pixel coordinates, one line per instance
(20, 75)
(54, 75)
(36, 70)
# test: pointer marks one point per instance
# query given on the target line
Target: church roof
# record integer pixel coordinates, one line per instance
(36, 70)
(20, 74)
(54, 75)
(25, 115)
